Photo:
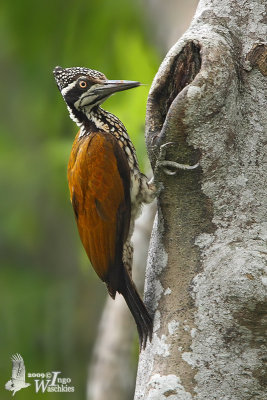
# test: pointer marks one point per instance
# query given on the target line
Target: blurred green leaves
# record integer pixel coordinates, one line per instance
(50, 304)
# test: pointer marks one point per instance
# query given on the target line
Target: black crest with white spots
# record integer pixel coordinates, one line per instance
(65, 76)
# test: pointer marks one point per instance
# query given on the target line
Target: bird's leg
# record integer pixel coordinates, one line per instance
(168, 167)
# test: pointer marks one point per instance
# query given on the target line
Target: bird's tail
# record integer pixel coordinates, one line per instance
(141, 316)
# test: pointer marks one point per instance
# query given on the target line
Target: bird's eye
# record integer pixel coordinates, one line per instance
(83, 84)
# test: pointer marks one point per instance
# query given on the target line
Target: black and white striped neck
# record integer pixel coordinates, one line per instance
(98, 118)
(101, 120)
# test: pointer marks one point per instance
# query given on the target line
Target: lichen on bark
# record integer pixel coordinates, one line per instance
(206, 274)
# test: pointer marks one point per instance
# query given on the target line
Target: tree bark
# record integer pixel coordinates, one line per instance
(206, 276)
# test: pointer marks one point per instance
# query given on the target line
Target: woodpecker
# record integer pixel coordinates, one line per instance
(106, 186)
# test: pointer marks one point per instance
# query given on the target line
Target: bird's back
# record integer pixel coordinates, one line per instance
(99, 183)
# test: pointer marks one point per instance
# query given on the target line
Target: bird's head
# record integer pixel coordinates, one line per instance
(84, 89)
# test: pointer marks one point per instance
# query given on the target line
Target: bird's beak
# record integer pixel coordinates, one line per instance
(109, 87)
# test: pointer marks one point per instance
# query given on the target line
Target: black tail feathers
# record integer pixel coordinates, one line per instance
(141, 316)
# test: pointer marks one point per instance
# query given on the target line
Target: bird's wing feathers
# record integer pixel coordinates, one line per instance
(99, 182)
(18, 368)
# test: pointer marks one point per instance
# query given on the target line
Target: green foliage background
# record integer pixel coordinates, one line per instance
(50, 298)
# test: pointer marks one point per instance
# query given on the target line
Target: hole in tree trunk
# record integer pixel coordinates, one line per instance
(183, 71)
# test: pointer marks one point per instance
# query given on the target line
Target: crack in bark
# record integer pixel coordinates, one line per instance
(185, 66)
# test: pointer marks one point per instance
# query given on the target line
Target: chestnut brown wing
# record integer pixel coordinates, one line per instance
(99, 183)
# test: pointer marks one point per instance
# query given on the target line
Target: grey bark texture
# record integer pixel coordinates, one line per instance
(112, 370)
(206, 279)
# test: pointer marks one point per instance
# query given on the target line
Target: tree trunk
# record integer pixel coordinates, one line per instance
(206, 277)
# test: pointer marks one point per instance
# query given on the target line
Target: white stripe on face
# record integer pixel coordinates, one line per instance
(67, 88)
